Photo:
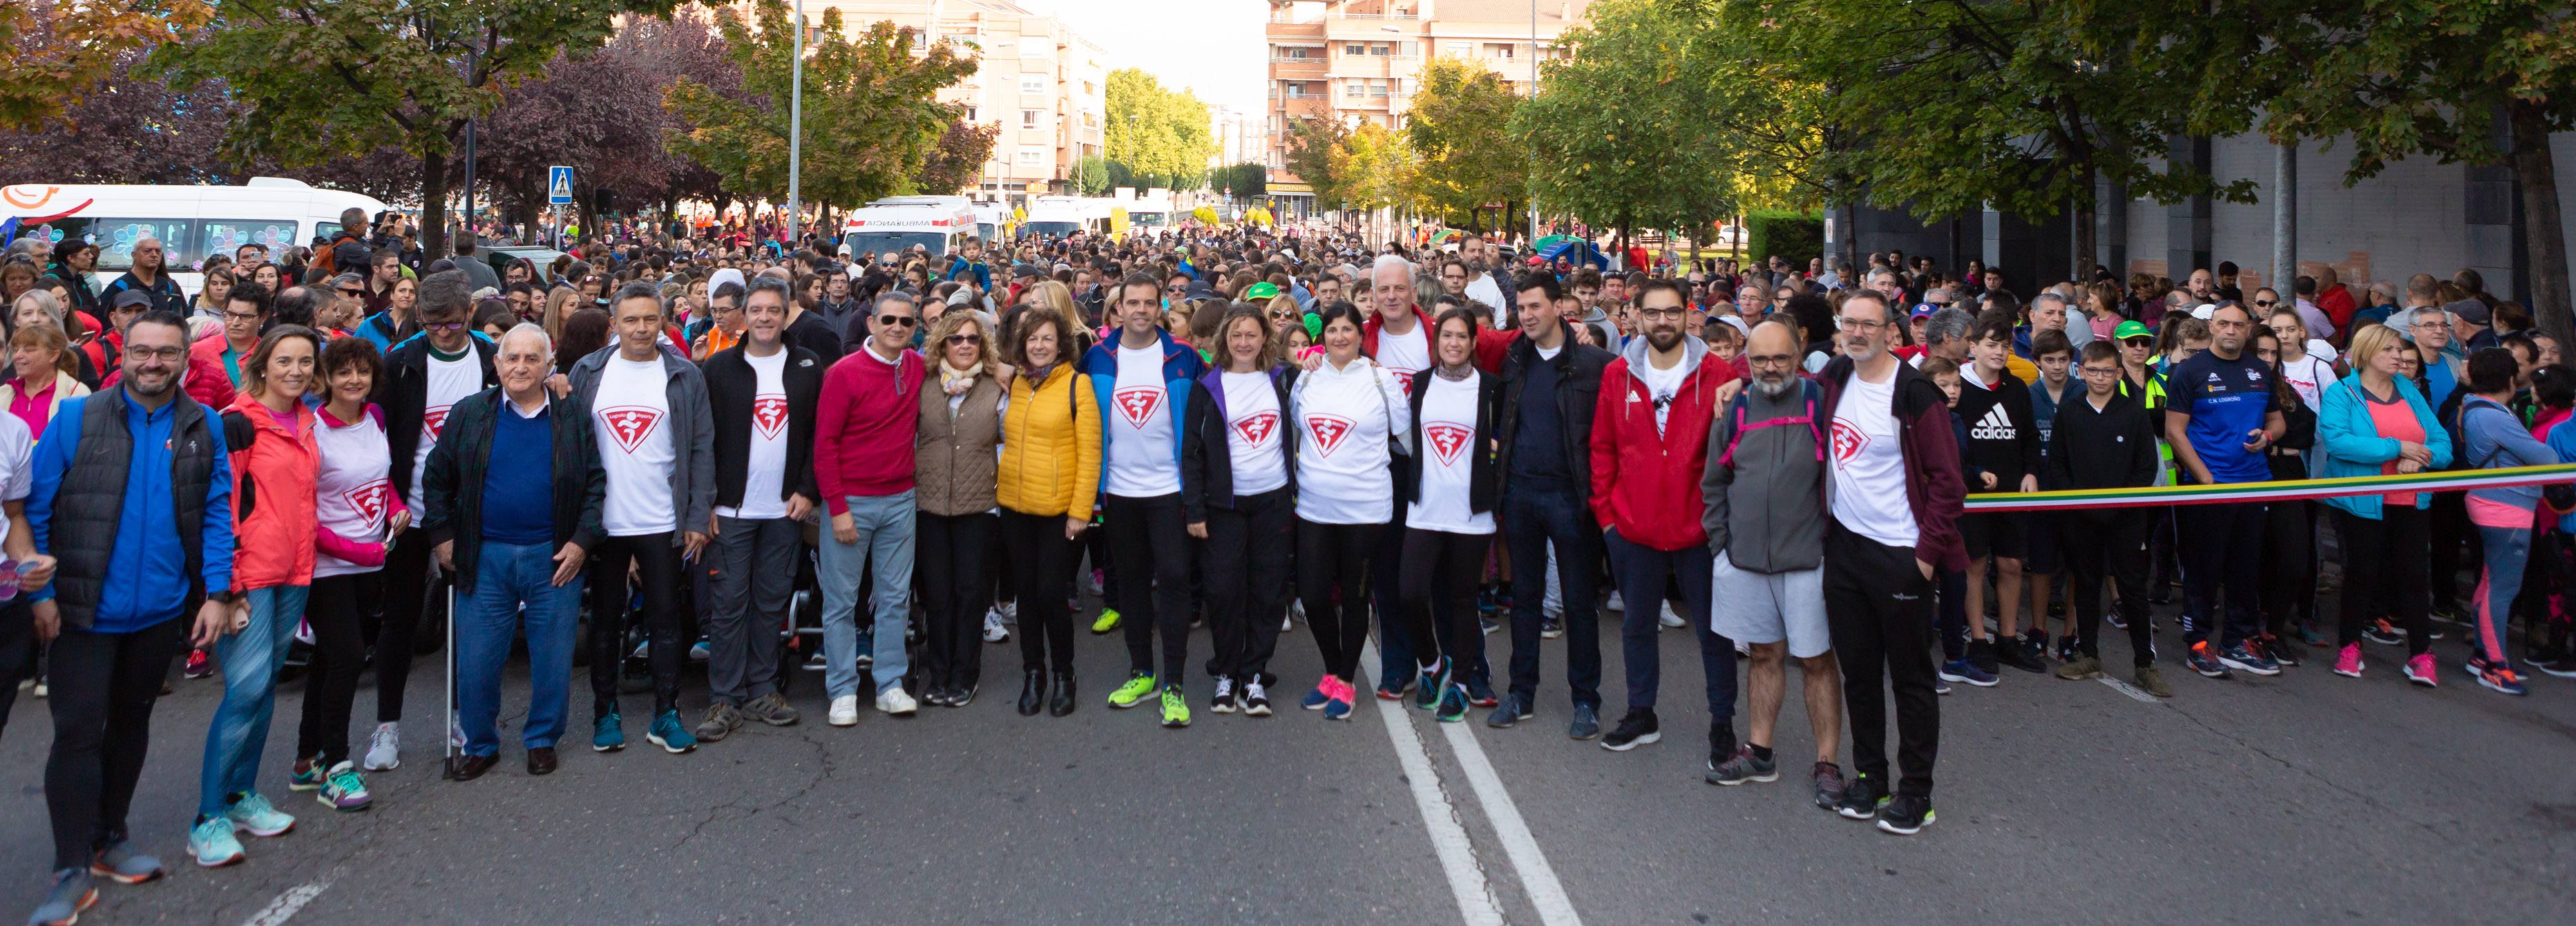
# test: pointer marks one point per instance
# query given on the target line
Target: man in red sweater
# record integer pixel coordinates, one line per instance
(1649, 449)
(865, 423)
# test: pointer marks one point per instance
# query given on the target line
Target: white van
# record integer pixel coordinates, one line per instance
(1055, 216)
(939, 224)
(990, 221)
(192, 222)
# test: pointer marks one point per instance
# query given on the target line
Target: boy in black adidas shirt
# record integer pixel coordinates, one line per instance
(2003, 439)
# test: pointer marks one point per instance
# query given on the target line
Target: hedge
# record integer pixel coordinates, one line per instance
(1796, 236)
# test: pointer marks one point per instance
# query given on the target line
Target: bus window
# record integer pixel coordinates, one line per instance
(226, 236)
(116, 238)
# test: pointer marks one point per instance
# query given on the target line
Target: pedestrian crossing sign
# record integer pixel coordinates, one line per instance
(559, 186)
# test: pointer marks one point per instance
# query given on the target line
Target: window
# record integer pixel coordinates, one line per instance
(1033, 84)
(1354, 90)
(225, 236)
(116, 237)
(1029, 118)
(1086, 89)
(1354, 48)
(970, 115)
(1381, 49)
(1499, 49)
(1031, 157)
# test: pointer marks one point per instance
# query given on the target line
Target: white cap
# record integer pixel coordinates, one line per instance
(2204, 311)
(717, 280)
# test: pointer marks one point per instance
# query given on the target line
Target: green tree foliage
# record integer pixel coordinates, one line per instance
(871, 117)
(1244, 180)
(1376, 168)
(1459, 123)
(1616, 131)
(1313, 144)
(1161, 135)
(1089, 175)
(321, 80)
(59, 52)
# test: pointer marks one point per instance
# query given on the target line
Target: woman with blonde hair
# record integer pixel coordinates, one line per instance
(560, 302)
(957, 475)
(40, 375)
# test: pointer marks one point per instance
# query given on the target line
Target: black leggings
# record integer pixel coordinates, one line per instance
(103, 688)
(331, 684)
(657, 566)
(1332, 579)
(1043, 562)
(1248, 548)
(2289, 594)
(1439, 581)
(18, 649)
(2381, 572)
(949, 568)
(406, 581)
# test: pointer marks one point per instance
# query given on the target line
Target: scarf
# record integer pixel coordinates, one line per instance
(955, 381)
(1037, 376)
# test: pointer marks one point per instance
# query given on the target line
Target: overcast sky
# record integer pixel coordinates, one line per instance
(1213, 47)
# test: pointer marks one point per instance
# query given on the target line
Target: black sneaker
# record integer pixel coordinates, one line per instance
(1636, 729)
(1905, 815)
(1861, 799)
(1981, 653)
(2018, 654)
(1742, 767)
(1551, 627)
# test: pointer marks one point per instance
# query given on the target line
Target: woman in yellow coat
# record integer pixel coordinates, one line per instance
(1049, 478)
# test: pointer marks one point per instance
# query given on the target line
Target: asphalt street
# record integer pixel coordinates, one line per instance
(2301, 798)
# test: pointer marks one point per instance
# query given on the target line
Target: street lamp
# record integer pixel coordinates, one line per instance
(796, 129)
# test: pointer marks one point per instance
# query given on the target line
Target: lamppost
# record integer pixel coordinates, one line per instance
(796, 130)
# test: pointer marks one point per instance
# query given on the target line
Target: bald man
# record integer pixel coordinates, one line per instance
(149, 276)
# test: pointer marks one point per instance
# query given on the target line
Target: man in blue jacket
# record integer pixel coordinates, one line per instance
(133, 498)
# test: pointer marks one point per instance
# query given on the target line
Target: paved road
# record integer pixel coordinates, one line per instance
(2304, 798)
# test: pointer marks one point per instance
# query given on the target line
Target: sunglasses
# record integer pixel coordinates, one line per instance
(2140, 341)
(893, 320)
(959, 340)
(352, 292)
(2266, 303)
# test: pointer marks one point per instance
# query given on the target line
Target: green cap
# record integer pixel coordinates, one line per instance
(1260, 291)
(2132, 329)
(1314, 325)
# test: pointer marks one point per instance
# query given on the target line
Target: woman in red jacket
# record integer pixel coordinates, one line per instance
(269, 432)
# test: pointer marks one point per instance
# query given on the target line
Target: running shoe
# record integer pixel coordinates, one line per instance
(2383, 633)
(1097, 583)
(1139, 686)
(673, 736)
(1106, 622)
(2152, 681)
(1905, 815)
(2080, 668)
(2278, 650)
(212, 842)
(1861, 799)
(2019, 654)
(607, 733)
(1636, 729)
(121, 864)
(2310, 635)
(1586, 723)
(844, 711)
(1339, 708)
(2348, 661)
(2247, 658)
(1394, 689)
(384, 748)
(1981, 653)
(2034, 643)
(1453, 704)
(1615, 603)
(2114, 619)
(1316, 699)
(1510, 710)
(1669, 620)
(2203, 658)
(307, 774)
(200, 664)
(1550, 627)
(995, 630)
(72, 891)
(253, 814)
(896, 702)
(1434, 681)
(1176, 707)
(1256, 699)
(1961, 670)
(345, 790)
(1940, 687)
(2563, 667)
(2419, 669)
(1480, 694)
(1742, 767)
(1828, 779)
(1222, 702)
(2502, 678)
(2066, 649)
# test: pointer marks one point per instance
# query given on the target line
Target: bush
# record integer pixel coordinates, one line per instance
(1794, 236)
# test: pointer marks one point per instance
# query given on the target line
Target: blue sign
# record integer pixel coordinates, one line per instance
(559, 185)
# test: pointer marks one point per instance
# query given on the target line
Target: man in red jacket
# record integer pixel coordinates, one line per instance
(1649, 449)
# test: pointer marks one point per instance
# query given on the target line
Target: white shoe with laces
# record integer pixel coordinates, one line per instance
(384, 748)
(995, 631)
(845, 711)
(1670, 619)
(894, 701)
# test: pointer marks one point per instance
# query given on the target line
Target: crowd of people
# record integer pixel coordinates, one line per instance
(649, 452)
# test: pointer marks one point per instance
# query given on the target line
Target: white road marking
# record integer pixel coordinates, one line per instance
(1475, 898)
(284, 907)
(2129, 689)
(1537, 877)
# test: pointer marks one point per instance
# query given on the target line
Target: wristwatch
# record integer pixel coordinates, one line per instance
(227, 597)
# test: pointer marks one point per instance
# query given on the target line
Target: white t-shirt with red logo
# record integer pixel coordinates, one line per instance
(632, 415)
(1448, 453)
(1144, 461)
(1405, 355)
(764, 478)
(1869, 496)
(1343, 417)
(450, 381)
(1253, 447)
(353, 489)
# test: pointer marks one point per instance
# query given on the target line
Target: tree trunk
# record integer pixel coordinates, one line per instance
(2544, 234)
(433, 205)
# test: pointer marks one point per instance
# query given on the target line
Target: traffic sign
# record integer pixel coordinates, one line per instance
(559, 186)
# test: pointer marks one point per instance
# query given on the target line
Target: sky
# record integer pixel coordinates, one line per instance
(1212, 47)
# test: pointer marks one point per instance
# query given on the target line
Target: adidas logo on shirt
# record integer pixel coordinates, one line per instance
(1996, 425)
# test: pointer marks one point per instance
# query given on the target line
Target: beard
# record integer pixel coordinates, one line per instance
(1771, 387)
(1663, 338)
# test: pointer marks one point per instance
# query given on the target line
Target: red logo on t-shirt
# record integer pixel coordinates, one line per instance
(369, 501)
(1448, 440)
(631, 424)
(431, 421)
(769, 413)
(1257, 427)
(1327, 432)
(1138, 403)
(1849, 441)
(1403, 379)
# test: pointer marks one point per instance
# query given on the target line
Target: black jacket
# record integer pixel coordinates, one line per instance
(731, 387)
(1578, 375)
(2003, 431)
(1484, 471)
(1207, 457)
(403, 392)
(2108, 449)
(451, 494)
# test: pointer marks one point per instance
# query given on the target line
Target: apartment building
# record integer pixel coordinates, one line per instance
(1043, 84)
(1360, 60)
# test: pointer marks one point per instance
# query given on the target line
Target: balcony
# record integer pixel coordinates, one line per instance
(1406, 17)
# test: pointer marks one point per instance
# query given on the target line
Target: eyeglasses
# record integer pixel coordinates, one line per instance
(1675, 312)
(960, 340)
(1848, 323)
(893, 320)
(162, 353)
(442, 326)
(241, 316)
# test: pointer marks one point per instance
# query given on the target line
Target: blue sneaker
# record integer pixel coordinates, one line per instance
(1453, 704)
(1434, 682)
(1587, 722)
(2244, 658)
(2203, 658)
(1316, 699)
(121, 864)
(1509, 711)
(212, 842)
(670, 734)
(307, 774)
(73, 891)
(607, 733)
(253, 814)
(1965, 671)
(1338, 708)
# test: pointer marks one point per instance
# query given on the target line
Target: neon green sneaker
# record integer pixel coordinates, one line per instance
(1140, 685)
(1106, 622)
(1176, 707)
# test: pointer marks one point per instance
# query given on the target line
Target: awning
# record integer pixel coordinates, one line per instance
(1289, 188)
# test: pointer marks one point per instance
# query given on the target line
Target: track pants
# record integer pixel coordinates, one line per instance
(1149, 550)
(1332, 580)
(103, 688)
(1249, 549)
(2113, 542)
(1879, 607)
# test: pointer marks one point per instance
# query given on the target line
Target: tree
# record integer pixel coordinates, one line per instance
(1246, 180)
(60, 52)
(1161, 135)
(325, 79)
(1614, 131)
(1313, 145)
(131, 129)
(959, 160)
(1089, 175)
(1459, 123)
(871, 117)
(1377, 168)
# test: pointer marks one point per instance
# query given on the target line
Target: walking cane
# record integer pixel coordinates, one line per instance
(447, 736)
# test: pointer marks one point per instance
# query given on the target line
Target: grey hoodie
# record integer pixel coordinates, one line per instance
(1766, 504)
(693, 432)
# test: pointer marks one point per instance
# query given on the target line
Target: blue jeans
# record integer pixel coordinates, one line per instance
(2507, 549)
(886, 525)
(239, 731)
(507, 579)
(1533, 518)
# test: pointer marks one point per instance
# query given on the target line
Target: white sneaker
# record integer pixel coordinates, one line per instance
(699, 651)
(994, 629)
(1009, 610)
(384, 748)
(1669, 619)
(845, 711)
(1616, 603)
(894, 701)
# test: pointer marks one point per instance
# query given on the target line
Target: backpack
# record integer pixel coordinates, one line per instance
(1807, 390)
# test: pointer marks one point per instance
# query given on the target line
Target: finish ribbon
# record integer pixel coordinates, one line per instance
(2285, 490)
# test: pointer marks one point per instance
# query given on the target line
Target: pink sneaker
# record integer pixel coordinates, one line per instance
(2419, 670)
(2348, 662)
